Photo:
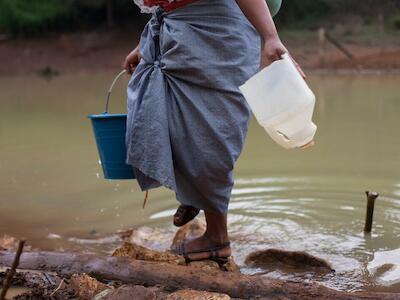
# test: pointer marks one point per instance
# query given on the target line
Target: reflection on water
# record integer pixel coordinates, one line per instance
(53, 194)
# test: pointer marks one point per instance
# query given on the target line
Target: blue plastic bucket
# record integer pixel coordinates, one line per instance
(109, 131)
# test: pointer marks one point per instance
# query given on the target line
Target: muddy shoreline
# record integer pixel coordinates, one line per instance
(50, 276)
(54, 54)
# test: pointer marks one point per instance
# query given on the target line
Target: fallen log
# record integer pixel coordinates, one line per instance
(175, 277)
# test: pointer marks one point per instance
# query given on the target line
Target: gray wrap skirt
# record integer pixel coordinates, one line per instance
(187, 120)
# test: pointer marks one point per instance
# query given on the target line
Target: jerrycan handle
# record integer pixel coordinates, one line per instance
(111, 88)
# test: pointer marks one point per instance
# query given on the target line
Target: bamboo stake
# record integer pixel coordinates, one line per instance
(371, 197)
(11, 273)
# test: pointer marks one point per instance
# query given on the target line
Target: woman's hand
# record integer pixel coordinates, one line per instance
(273, 50)
(257, 12)
(132, 60)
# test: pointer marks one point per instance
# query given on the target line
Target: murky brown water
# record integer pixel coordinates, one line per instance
(52, 191)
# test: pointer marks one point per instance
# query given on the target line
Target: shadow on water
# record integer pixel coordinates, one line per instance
(52, 191)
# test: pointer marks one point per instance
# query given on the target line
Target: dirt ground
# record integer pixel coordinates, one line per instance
(105, 49)
(56, 275)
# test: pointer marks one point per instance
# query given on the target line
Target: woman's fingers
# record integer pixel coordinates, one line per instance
(308, 145)
(127, 65)
(131, 61)
(132, 68)
(273, 57)
(299, 68)
(272, 51)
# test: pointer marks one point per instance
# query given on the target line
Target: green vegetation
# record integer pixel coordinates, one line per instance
(24, 16)
(309, 14)
(303, 13)
(36, 16)
(396, 21)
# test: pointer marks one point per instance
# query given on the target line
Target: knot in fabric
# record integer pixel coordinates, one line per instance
(156, 22)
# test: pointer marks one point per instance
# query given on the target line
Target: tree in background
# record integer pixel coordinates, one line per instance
(310, 13)
(24, 16)
(108, 6)
(36, 16)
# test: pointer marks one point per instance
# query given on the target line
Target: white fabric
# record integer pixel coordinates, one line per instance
(147, 9)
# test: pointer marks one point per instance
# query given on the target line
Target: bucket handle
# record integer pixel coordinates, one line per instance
(111, 88)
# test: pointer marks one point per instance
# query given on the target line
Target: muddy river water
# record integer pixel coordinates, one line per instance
(52, 191)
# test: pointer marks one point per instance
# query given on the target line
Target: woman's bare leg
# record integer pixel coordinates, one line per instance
(216, 235)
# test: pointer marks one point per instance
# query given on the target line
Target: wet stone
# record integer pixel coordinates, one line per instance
(86, 286)
(135, 251)
(191, 230)
(281, 259)
(196, 295)
(129, 293)
(8, 243)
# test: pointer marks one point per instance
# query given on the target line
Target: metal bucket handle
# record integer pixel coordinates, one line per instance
(111, 88)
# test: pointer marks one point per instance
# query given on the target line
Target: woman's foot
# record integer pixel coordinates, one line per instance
(184, 214)
(214, 244)
(204, 248)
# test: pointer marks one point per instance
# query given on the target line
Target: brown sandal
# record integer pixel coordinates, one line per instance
(180, 250)
(184, 214)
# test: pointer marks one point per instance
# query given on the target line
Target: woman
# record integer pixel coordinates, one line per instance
(187, 120)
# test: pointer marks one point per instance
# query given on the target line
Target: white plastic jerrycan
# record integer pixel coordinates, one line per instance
(282, 103)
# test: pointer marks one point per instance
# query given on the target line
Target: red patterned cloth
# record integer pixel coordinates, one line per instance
(167, 5)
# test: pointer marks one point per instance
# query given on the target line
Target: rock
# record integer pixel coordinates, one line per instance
(102, 295)
(191, 230)
(196, 295)
(206, 265)
(385, 268)
(276, 258)
(153, 238)
(8, 243)
(125, 235)
(48, 72)
(135, 292)
(86, 286)
(141, 253)
(231, 266)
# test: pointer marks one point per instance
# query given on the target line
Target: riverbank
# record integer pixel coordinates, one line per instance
(134, 270)
(105, 49)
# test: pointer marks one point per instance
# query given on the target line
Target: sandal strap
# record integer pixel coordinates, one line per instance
(183, 210)
(189, 208)
(212, 250)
